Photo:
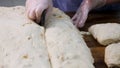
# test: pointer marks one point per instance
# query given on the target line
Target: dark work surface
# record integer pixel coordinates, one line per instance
(95, 18)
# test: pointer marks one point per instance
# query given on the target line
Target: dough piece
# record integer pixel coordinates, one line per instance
(106, 33)
(66, 46)
(22, 43)
(112, 55)
(84, 33)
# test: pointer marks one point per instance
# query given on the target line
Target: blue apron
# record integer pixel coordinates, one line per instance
(67, 5)
(73, 5)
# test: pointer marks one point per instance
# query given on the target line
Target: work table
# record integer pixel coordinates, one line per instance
(95, 18)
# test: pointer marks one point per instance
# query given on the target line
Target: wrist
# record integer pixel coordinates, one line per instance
(95, 3)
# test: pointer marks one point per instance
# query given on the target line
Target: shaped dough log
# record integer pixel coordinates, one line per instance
(112, 55)
(106, 33)
(22, 43)
(66, 46)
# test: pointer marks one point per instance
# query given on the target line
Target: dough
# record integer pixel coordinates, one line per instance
(84, 33)
(22, 42)
(106, 33)
(112, 55)
(66, 46)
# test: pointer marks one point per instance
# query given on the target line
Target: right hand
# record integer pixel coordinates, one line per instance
(35, 9)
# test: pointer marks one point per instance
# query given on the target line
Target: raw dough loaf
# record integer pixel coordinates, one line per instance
(112, 55)
(66, 46)
(22, 43)
(106, 33)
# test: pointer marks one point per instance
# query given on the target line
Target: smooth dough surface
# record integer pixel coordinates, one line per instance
(66, 46)
(112, 55)
(106, 33)
(22, 42)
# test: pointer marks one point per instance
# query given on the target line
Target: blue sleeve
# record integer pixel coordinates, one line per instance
(73, 5)
(67, 5)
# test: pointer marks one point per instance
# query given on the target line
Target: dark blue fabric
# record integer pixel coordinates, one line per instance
(113, 7)
(67, 5)
(73, 5)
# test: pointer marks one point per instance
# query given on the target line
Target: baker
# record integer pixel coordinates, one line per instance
(82, 8)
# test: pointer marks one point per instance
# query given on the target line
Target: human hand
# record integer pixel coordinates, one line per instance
(82, 13)
(35, 8)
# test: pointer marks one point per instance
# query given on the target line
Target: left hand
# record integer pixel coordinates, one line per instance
(81, 15)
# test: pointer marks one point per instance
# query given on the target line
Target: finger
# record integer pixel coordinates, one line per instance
(82, 21)
(78, 18)
(74, 18)
(31, 14)
(38, 12)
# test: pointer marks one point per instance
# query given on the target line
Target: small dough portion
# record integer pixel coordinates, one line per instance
(112, 55)
(22, 42)
(106, 33)
(66, 46)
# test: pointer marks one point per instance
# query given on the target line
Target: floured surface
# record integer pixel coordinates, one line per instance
(22, 42)
(112, 55)
(66, 47)
(106, 33)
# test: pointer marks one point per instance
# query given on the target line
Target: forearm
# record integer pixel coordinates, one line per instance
(96, 3)
(112, 1)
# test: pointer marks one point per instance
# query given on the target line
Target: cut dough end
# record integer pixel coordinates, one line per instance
(106, 33)
(66, 46)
